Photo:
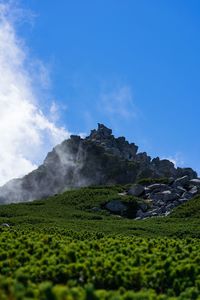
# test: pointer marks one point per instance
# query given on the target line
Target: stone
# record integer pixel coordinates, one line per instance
(182, 200)
(195, 182)
(140, 214)
(171, 180)
(5, 225)
(176, 202)
(182, 181)
(167, 213)
(95, 209)
(154, 212)
(193, 191)
(116, 206)
(179, 190)
(187, 195)
(143, 206)
(122, 194)
(136, 190)
(158, 187)
(164, 196)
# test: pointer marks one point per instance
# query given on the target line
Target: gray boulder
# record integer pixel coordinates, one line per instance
(183, 181)
(194, 190)
(187, 195)
(116, 206)
(140, 214)
(191, 193)
(5, 225)
(164, 196)
(136, 190)
(143, 206)
(179, 190)
(195, 182)
(182, 200)
(158, 187)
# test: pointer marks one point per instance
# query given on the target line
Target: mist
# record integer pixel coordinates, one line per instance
(27, 134)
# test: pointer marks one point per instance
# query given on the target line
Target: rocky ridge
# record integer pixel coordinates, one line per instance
(99, 159)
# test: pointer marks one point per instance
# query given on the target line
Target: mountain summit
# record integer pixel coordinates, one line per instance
(98, 159)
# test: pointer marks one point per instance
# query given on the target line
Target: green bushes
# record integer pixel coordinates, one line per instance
(190, 209)
(52, 266)
(62, 249)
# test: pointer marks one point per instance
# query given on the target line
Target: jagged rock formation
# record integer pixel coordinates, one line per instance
(98, 159)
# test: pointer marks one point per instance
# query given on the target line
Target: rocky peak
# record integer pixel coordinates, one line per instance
(99, 159)
(117, 146)
(102, 133)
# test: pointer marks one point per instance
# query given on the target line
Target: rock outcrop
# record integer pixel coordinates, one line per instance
(162, 198)
(99, 159)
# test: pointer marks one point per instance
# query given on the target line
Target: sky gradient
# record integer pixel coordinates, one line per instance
(132, 65)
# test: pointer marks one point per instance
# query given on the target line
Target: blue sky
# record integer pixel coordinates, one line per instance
(133, 65)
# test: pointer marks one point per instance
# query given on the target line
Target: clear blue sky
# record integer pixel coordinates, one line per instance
(133, 65)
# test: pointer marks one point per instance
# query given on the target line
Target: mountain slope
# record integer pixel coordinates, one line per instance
(78, 210)
(98, 159)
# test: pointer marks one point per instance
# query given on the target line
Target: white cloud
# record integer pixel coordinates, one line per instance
(54, 111)
(118, 103)
(26, 134)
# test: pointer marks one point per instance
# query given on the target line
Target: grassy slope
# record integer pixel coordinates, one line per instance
(72, 211)
(56, 248)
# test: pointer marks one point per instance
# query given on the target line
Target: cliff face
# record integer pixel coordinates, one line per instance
(98, 159)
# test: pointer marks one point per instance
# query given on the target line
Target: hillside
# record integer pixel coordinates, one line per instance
(80, 210)
(60, 248)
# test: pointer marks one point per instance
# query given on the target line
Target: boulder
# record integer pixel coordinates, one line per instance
(167, 213)
(191, 193)
(195, 182)
(143, 206)
(164, 196)
(140, 214)
(116, 206)
(194, 190)
(5, 225)
(182, 181)
(158, 187)
(179, 190)
(136, 190)
(182, 200)
(187, 195)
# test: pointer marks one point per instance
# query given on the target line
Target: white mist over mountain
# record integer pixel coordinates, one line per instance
(26, 133)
